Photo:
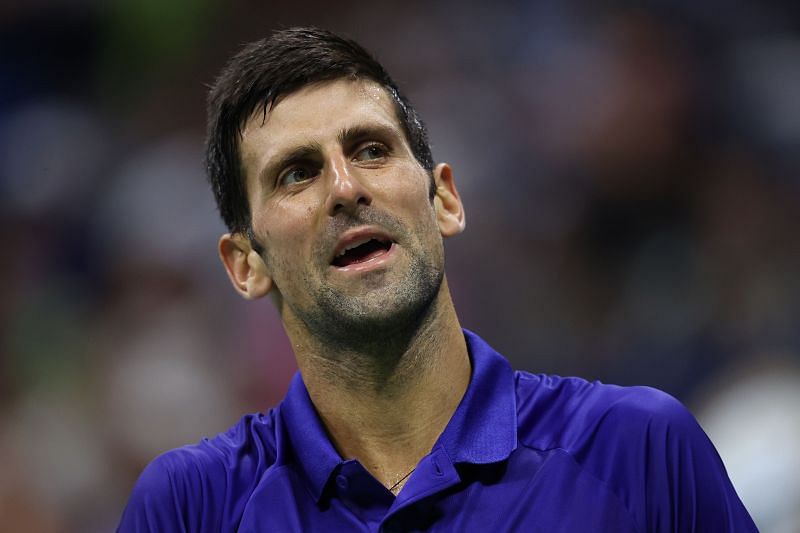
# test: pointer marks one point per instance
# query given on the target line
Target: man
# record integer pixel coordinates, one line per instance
(398, 420)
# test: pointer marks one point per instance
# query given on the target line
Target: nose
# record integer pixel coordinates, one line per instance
(347, 192)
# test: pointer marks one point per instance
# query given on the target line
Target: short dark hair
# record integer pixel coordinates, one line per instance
(264, 71)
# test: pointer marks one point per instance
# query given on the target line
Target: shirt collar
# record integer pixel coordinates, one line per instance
(308, 440)
(483, 429)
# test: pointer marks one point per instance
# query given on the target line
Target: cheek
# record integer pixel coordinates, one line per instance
(283, 233)
(407, 184)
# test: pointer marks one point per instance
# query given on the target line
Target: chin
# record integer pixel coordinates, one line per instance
(381, 311)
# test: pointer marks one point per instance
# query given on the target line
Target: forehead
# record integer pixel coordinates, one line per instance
(315, 114)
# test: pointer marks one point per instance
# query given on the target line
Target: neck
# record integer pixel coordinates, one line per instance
(386, 403)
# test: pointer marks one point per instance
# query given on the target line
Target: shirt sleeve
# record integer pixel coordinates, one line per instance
(157, 502)
(182, 490)
(203, 487)
(686, 486)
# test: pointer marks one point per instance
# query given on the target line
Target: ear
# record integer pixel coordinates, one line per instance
(246, 269)
(449, 209)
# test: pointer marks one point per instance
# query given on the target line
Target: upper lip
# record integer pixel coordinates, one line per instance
(356, 237)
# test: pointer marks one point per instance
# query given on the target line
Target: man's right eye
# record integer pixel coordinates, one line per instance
(295, 175)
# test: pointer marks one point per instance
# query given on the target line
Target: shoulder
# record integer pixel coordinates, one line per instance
(598, 424)
(561, 412)
(641, 443)
(202, 486)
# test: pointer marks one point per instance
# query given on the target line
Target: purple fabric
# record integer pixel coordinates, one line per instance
(522, 452)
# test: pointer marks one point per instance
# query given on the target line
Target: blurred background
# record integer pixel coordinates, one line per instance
(629, 169)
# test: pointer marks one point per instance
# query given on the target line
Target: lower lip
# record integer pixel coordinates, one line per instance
(371, 264)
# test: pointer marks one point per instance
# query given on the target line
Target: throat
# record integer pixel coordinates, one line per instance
(386, 405)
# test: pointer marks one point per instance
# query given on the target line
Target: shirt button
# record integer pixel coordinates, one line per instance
(436, 468)
(342, 482)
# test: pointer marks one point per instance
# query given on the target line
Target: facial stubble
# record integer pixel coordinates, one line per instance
(385, 309)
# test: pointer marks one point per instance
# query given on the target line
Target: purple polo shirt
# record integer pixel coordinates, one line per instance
(522, 452)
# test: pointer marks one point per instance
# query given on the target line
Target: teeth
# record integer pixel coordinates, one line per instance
(354, 244)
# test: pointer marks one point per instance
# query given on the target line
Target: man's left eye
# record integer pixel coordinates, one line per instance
(371, 152)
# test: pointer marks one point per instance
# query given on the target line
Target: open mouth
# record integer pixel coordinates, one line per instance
(362, 251)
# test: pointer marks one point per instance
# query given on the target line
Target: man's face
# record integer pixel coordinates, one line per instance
(342, 208)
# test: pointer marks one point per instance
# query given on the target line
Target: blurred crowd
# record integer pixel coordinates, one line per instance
(631, 177)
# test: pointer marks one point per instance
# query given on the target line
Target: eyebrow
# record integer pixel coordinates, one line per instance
(360, 132)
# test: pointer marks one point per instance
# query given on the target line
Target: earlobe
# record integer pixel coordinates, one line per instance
(245, 267)
(449, 209)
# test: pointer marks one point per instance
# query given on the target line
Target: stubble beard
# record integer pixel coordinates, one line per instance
(374, 321)
(388, 312)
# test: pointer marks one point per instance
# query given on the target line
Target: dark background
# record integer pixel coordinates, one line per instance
(630, 175)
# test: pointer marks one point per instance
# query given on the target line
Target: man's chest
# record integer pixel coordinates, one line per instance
(532, 491)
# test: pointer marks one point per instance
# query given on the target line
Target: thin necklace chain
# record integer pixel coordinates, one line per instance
(391, 489)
